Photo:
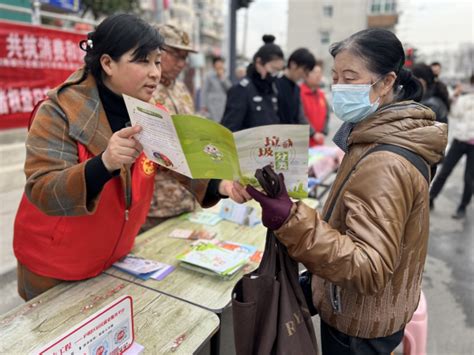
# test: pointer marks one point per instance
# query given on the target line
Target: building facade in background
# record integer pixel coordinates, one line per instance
(180, 13)
(457, 64)
(211, 27)
(204, 21)
(318, 23)
(6, 14)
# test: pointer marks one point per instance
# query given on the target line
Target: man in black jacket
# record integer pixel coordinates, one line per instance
(301, 62)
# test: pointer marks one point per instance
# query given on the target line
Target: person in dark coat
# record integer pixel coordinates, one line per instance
(253, 101)
(290, 110)
(436, 69)
(433, 95)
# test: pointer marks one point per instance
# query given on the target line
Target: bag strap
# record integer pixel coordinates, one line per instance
(418, 162)
(270, 264)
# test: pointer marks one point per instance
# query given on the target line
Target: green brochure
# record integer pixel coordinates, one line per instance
(203, 149)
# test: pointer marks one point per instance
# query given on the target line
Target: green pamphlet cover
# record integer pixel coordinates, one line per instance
(203, 149)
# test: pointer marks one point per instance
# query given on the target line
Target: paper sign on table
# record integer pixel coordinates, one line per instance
(108, 331)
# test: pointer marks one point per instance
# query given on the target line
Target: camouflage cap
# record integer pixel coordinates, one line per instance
(176, 38)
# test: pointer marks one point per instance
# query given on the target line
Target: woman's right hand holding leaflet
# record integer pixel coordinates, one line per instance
(122, 149)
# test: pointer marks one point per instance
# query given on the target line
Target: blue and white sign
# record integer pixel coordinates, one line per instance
(68, 5)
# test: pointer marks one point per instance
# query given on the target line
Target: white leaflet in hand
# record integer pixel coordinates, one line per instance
(158, 136)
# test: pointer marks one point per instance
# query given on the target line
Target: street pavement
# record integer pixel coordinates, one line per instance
(448, 281)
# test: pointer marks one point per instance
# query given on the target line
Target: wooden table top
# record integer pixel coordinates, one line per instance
(210, 292)
(159, 320)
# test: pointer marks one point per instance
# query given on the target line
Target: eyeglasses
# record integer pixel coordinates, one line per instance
(177, 55)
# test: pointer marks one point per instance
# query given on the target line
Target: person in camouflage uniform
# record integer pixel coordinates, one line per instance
(170, 197)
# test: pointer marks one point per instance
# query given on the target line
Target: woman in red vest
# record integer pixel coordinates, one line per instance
(89, 185)
(315, 105)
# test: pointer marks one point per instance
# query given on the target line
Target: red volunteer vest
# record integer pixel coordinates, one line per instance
(80, 247)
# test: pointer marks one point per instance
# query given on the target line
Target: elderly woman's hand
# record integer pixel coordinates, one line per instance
(234, 190)
(275, 211)
(122, 149)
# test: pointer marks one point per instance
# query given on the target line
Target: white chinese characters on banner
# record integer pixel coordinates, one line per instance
(29, 47)
(45, 49)
(20, 100)
(3, 103)
(30, 51)
(33, 59)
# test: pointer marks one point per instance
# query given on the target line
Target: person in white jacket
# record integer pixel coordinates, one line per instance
(461, 127)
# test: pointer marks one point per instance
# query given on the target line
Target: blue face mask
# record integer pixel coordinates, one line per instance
(351, 102)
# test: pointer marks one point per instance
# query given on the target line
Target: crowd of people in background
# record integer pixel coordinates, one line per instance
(270, 92)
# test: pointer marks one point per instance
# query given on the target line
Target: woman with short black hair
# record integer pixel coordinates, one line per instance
(433, 95)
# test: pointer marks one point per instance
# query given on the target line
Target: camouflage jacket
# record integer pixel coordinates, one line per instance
(175, 97)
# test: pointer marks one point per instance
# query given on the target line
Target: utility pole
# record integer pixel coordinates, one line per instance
(232, 38)
(246, 26)
(36, 15)
(234, 6)
(197, 46)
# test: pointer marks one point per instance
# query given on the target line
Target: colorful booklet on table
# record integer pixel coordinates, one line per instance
(252, 253)
(203, 149)
(143, 268)
(213, 259)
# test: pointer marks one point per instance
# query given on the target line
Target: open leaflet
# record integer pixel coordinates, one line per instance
(203, 149)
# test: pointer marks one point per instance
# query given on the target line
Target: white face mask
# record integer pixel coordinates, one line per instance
(351, 102)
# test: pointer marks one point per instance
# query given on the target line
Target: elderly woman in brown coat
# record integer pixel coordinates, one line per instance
(367, 259)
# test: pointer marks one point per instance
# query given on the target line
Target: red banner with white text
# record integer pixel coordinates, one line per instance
(33, 60)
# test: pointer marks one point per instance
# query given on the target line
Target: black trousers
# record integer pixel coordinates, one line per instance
(334, 342)
(455, 153)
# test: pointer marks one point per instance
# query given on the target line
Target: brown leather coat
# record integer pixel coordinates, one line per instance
(370, 255)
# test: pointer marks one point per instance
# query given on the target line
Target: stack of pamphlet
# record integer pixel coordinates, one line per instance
(223, 259)
(143, 268)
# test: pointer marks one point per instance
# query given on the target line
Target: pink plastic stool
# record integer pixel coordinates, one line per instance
(416, 331)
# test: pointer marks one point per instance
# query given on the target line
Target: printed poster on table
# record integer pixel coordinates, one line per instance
(108, 331)
(200, 148)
